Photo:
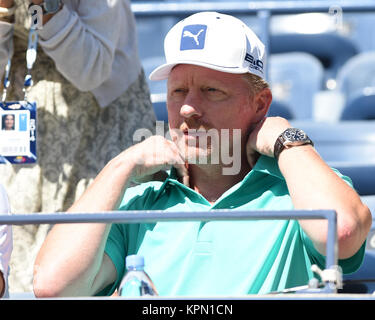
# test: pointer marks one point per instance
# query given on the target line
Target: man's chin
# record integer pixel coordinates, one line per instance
(198, 157)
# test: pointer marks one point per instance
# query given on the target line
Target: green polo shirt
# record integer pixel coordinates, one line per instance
(219, 258)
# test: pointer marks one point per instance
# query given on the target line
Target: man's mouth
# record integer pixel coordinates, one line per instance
(200, 131)
(195, 133)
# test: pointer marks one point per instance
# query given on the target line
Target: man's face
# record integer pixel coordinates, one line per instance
(202, 105)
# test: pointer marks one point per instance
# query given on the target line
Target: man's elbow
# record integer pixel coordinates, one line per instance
(352, 232)
(45, 283)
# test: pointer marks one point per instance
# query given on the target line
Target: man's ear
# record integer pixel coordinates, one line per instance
(263, 101)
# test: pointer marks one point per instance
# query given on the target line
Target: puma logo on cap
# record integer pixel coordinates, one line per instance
(193, 37)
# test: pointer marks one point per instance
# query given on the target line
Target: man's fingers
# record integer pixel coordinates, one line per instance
(157, 154)
(252, 157)
(182, 172)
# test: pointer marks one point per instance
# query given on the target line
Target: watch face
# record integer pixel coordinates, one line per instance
(295, 135)
(52, 6)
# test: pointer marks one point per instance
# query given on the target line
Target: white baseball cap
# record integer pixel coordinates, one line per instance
(213, 40)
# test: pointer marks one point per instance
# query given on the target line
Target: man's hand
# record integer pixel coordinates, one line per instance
(6, 3)
(138, 163)
(153, 155)
(7, 11)
(262, 139)
(2, 284)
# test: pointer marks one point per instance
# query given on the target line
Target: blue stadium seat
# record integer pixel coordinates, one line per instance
(363, 280)
(161, 113)
(280, 109)
(344, 142)
(149, 64)
(348, 146)
(370, 202)
(151, 32)
(356, 80)
(158, 89)
(331, 48)
(362, 176)
(357, 74)
(290, 83)
(361, 107)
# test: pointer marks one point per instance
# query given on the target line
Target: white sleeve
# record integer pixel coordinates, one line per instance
(82, 40)
(6, 240)
(6, 33)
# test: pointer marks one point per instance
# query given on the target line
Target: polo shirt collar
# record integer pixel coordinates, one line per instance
(265, 165)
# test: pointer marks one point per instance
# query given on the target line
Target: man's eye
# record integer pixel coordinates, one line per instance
(178, 93)
(212, 90)
(179, 90)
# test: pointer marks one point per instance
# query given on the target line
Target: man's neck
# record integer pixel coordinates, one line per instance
(211, 183)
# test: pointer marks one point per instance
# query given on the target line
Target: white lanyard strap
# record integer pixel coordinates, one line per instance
(6, 82)
(31, 54)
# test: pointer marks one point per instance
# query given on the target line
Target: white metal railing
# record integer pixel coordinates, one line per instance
(330, 286)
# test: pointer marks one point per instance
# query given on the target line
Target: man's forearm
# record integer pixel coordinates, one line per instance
(313, 184)
(71, 261)
(105, 192)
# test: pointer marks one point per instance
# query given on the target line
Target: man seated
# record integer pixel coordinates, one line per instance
(225, 153)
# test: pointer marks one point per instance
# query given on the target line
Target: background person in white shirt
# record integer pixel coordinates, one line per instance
(91, 96)
(6, 245)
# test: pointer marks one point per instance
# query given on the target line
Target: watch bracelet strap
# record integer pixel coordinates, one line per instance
(43, 8)
(279, 145)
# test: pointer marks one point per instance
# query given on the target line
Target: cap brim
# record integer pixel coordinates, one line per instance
(162, 72)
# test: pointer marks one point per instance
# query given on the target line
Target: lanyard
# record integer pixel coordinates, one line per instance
(31, 54)
(7, 71)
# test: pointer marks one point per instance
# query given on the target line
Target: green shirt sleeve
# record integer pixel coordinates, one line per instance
(349, 265)
(122, 238)
(116, 250)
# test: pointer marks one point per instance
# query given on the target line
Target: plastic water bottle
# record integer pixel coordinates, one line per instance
(136, 282)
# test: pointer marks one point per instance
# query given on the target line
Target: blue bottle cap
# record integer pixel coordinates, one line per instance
(135, 261)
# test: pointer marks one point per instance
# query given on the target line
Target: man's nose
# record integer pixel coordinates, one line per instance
(191, 107)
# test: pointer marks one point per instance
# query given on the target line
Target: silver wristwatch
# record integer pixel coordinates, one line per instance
(49, 6)
(289, 138)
